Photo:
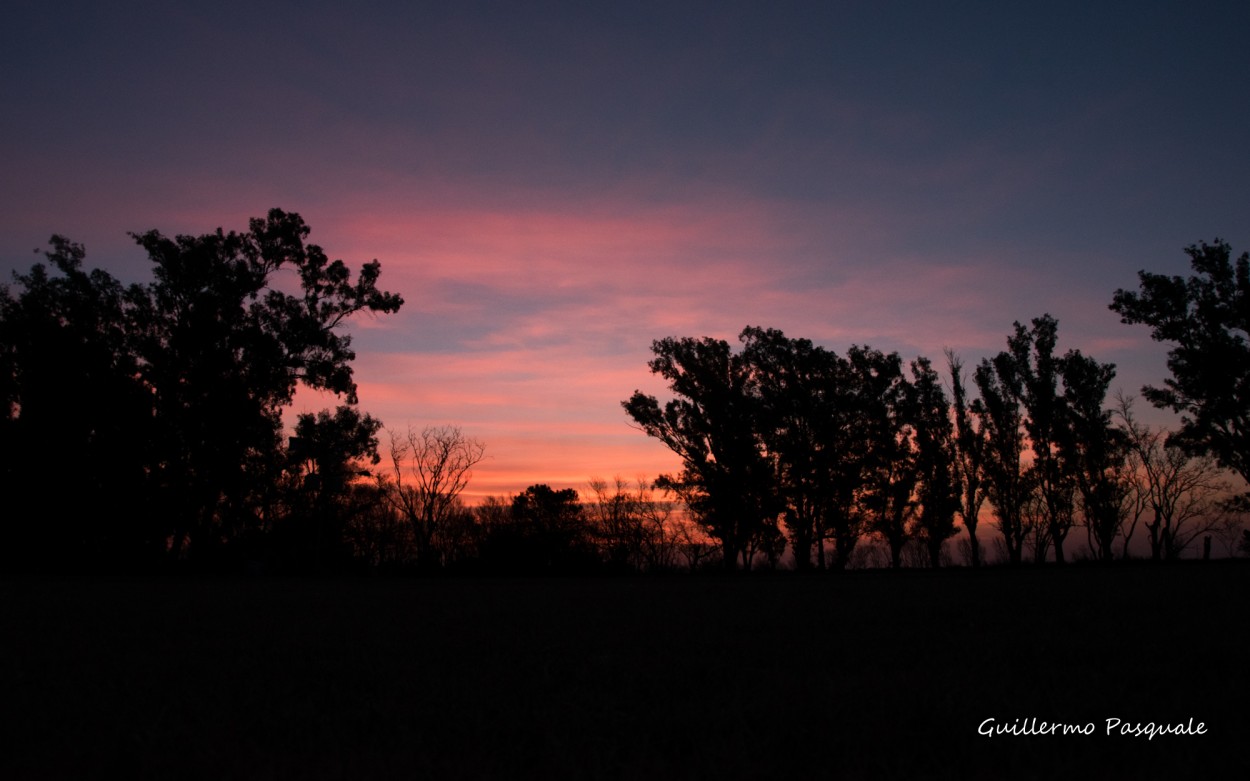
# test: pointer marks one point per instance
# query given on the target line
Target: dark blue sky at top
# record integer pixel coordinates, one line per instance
(1037, 155)
(822, 102)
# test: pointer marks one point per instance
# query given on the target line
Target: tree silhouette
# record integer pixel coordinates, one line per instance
(1206, 319)
(327, 454)
(634, 529)
(186, 377)
(1094, 451)
(803, 392)
(970, 447)
(726, 480)
(886, 416)
(1008, 484)
(1181, 494)
(552, 534)
(1057, 401)
(223, 351)
(935, 460)
(76, 421)
(1032, 351)
(437, 463)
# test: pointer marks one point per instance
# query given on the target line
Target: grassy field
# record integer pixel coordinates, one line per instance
(863, 675)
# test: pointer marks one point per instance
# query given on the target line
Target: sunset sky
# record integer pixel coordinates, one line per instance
(551, 186)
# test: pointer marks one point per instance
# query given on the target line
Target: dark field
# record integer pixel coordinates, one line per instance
(866, 675)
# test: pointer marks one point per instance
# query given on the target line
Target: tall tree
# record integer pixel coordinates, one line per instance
(712, 424)
(1032, 351)
(886, 419)
(1094, 451)
(224, 350)
(75, 419)
(1008, 484)
(936, 459)
(970, 445)
(1206, 320)
(196, 367)
(803, 391)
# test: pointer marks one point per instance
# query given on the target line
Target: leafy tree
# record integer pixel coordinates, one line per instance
(1057, 401)
(189, 376)
(1094, 452)
(1008, 484)
(1032, 351)
(970, 448)
(886, 421)
(936, 460)
(224, 350)
(864, 433)
(543, 530)
(804, 394)
(1206, 320)
(71, 393)
(712, 424)
(328, 453)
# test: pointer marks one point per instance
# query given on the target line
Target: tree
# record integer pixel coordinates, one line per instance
(1183, 494)
(864, 434)
(633, 528)
(1206, 319)
(712, 424)
(970, 444)
(936, 460)
(193, 371)
(1094, 452)
(1055, 403)
(543, 530)
(1032, 351)
(223, 352)
(616, 514)
(1008, 484)
(71, 394)
(437, 462)
(805, 420)
(886, 421)
(327, 455)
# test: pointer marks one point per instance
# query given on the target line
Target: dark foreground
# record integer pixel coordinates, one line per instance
(868, 675)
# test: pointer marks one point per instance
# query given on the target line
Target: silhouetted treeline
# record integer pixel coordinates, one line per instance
(784, 437)
(142, 429)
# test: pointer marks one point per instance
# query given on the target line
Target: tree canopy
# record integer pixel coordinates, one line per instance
(163, 400)
(1206, 320)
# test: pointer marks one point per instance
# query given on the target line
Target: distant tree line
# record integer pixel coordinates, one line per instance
(142, 428)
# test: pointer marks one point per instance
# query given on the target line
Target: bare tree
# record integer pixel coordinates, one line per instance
(633, 528)
(431, 469)
(615, 513)
(1184, 496)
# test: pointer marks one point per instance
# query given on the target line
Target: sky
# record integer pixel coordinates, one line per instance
(553, 186)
